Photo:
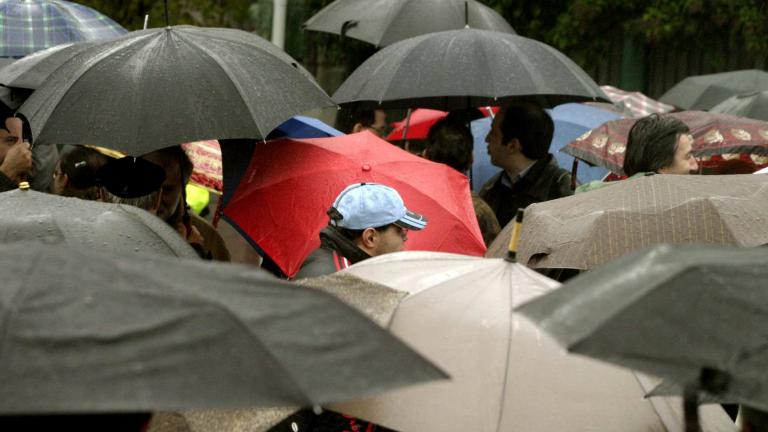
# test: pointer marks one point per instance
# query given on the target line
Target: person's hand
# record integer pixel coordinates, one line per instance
(18, 162)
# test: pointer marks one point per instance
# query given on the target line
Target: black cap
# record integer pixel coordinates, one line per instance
(131, 177)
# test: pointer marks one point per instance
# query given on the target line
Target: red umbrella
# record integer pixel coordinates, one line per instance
(281, 202)
(421, 120)
(716, 137)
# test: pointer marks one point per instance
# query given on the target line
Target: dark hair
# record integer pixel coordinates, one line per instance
(450, 143)
(347, 118)
(82, 165)
(755, 419)
(353, 235)
(652, 143)
(531, 125)
(175, 154)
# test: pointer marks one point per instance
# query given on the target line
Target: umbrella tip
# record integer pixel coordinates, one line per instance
(515, 239)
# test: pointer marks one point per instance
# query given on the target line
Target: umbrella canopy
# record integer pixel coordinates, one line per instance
(32, 25)
(383, 22)
(713, 134)
(31, 71)
(703, 92)
(637, 103)
(463, 69)
(505, 375)
(672, 311)
(419, 123)
(589, 229)
(27, 215)
(282, 201)
(89, 332)
(168, 86)
(752, 105)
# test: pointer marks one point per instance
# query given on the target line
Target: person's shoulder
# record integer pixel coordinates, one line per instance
(488, 185)
(318, 263)
(6, 184)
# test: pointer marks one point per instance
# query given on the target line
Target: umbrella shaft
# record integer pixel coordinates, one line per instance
(691, 408)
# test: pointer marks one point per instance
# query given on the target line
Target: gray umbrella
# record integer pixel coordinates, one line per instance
(31, 71)
(383, 22)
(703, 92)
(27, 215)
(465, 68)
(89, 332)
(693, 314)
(752, 105)
(155, 88)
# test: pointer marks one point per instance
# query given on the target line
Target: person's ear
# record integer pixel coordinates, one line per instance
(513, 146)
(100, 194)
(424, 153)
(369, 238)
(156, 207)
(358, 127)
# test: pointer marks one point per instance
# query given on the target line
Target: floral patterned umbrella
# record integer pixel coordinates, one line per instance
(206, 159)
(716, 137)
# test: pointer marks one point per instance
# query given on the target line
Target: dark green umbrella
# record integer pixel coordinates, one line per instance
(692, 314)
(753, 105)
(27, 215)
(703, 92)
(466, 68)
(155, 88)
(89, 332)
(385, 22)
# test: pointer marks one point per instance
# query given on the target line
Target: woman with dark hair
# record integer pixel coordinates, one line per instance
(76, 173)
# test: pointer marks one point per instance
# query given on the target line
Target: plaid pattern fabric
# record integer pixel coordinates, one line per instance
(27, 26)
(639, 104)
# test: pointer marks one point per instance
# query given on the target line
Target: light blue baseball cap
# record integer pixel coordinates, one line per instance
(372, 205)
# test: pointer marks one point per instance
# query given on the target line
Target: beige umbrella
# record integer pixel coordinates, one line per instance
(588, 229)
(505, 374)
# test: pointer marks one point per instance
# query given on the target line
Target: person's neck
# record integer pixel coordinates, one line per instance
(516, 164)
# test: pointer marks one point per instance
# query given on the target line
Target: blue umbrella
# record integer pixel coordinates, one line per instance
(32, 25)
(571, 121)
(303, 127)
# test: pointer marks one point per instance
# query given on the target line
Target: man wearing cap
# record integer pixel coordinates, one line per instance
(366, 219)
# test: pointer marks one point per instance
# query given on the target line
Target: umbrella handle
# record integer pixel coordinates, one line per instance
(517, 228)
(691, 408)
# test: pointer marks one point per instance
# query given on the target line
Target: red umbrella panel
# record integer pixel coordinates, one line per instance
(282, 200)
(418, 127)
(716, 137)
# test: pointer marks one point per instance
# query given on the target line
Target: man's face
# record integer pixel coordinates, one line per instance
(170, 194)
(493, 139)
(684, 161)
(390, 240)
(7, 139)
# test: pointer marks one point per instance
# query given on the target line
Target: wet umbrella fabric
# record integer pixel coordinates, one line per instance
(27, 215)
(383, 22)
(635, 102)
(31, 71)
(91, 332)
(751, 105)
(703, 92)
(671, 311)
(504, 374)
(589, 229)
(463, 69)
(169, 86)
(281, 203)
(32, 25)
(714, 134)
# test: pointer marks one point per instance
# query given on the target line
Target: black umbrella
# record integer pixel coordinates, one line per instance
(88, 332)
(383, 22)
(155, 88)
(703, 92)
(466, 68)
(28, 215)
(752, 105)
(31, 71)
(692, 314)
